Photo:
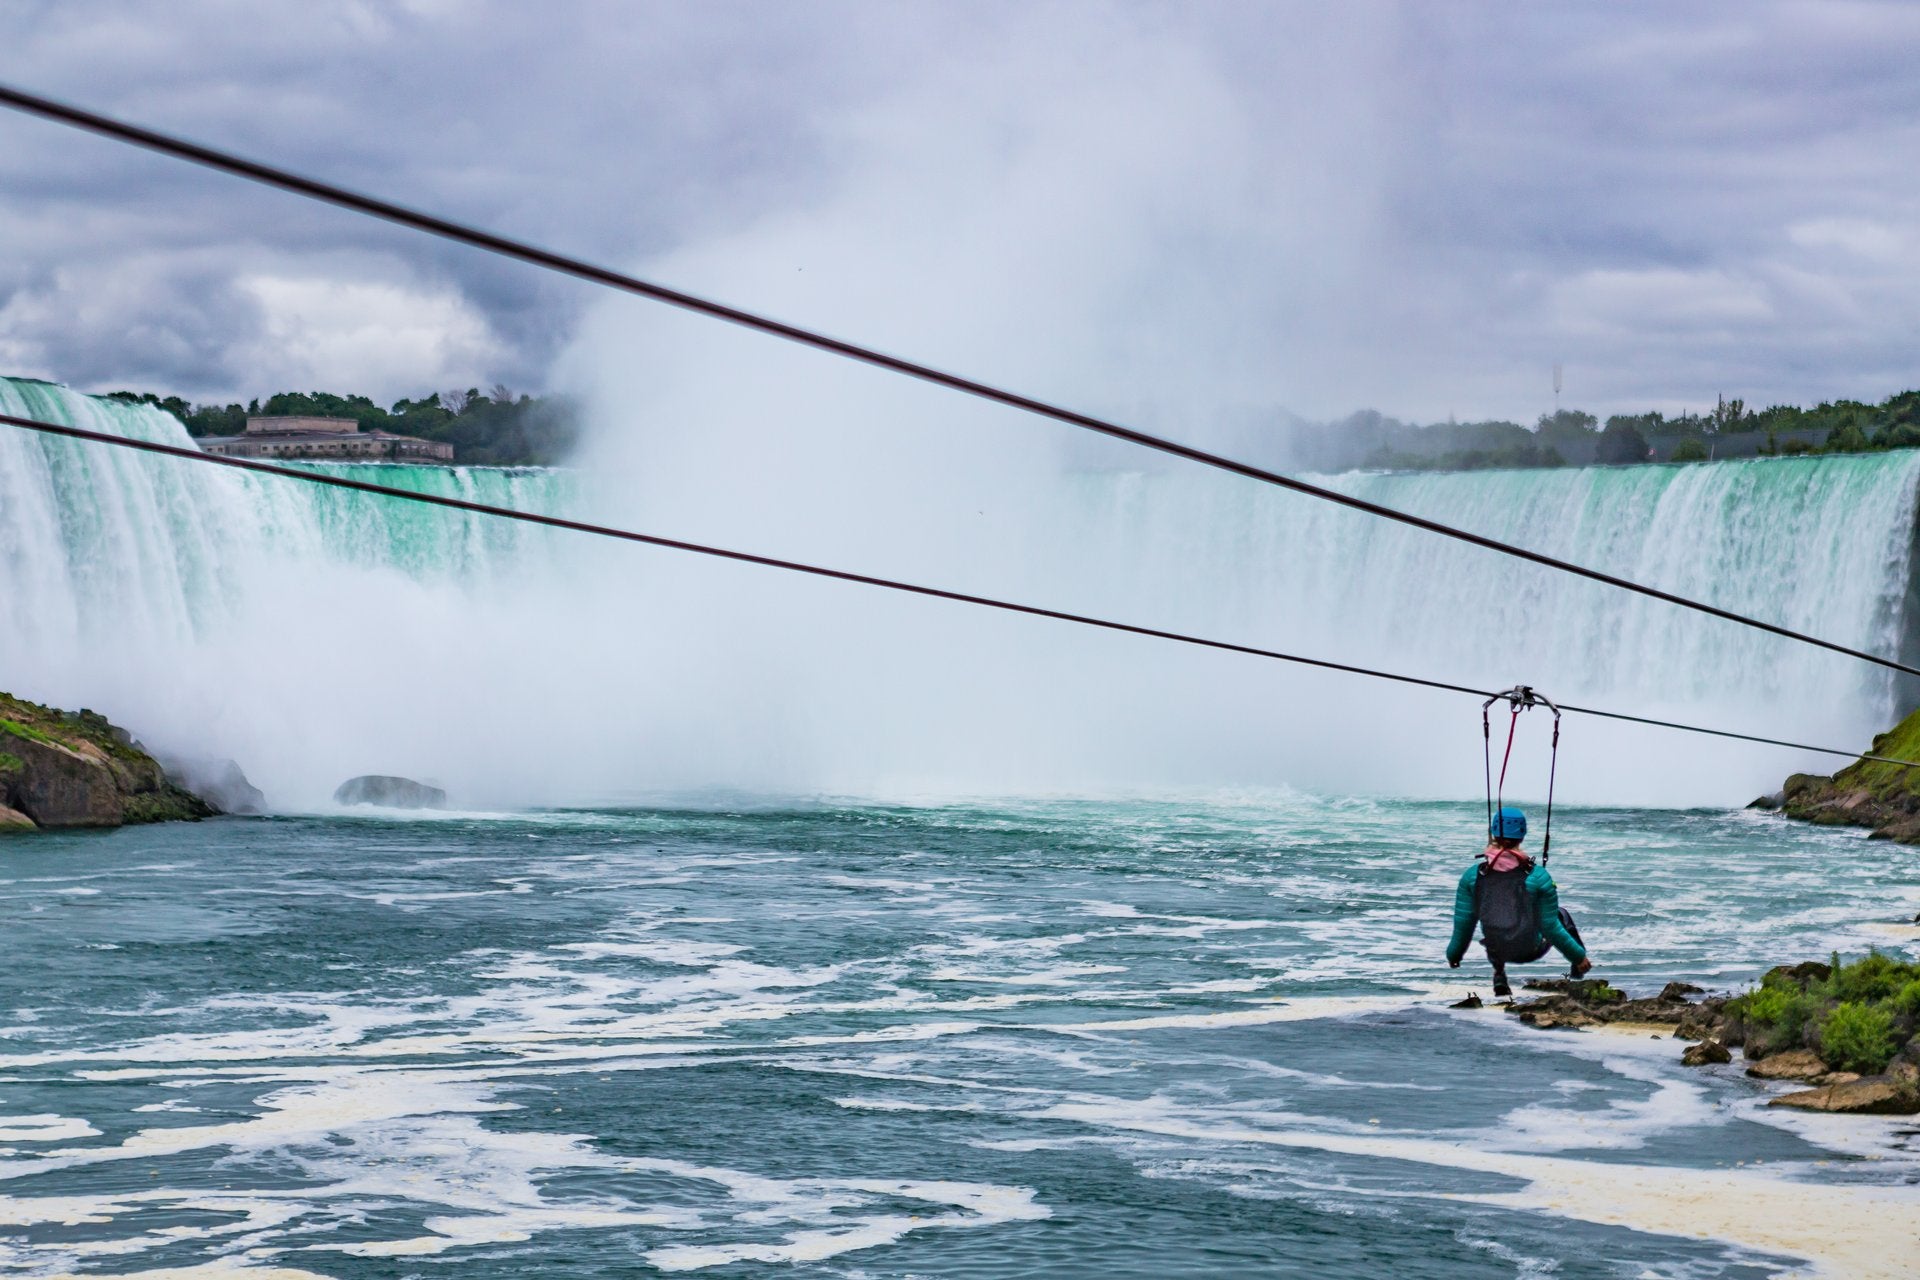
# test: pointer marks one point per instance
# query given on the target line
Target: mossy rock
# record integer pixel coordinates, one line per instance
(63, 769)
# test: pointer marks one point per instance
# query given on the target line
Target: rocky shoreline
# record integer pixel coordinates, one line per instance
(75, 769)
(1716, 1025)
(1867, 793)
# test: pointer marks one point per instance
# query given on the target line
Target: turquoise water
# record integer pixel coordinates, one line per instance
(1154, 1038)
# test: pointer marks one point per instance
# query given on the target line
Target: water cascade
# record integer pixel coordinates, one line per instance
(313, 633)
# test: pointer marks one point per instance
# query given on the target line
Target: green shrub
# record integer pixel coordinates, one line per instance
(1855, 1037)
(1906, 1001)
(1776, 1016)
(1870, 978)
(1689, 450)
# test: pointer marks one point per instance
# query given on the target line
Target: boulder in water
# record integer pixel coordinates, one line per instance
(389, 793)
(1794, 1064)
(1873, 1095)
(1705, 1053)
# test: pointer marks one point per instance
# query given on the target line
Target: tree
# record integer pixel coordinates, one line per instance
(1566, 424)
(1728, 415)
(1690, 450)
(1848, 439)
(1620, 443)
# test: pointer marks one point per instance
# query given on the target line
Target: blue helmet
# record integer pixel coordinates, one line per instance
(1508, 824)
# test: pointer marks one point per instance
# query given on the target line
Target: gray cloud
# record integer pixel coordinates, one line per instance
(1415, 207)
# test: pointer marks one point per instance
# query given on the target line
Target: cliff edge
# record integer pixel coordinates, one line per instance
(1867, 793)
(74, 769)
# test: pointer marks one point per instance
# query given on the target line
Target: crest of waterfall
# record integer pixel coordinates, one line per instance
(313, 633)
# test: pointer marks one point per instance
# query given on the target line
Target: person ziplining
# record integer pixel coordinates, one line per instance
(1513, 900)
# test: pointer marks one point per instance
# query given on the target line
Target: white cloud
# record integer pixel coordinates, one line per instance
(379, 338)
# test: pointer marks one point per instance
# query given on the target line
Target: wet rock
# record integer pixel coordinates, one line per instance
(75, 769)
(1656, 1010)
(1472, 1001)
(219, 782)
(1704, 1021)
(1679, 991)
(14, 820)
(1705, 1053)
(1794, 1064)
(389, 793)
(1837, 1077)
(63, 786)
(1585, 990)
(1873, 1096)
(1799, 974)
(1770, 803)
(1553, 1012)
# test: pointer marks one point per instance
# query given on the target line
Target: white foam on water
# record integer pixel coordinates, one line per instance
(1847, 1231)
(1674, 1104)
(1057, 976)
(44, 1128)
(768, 1201)
(1306, 1009)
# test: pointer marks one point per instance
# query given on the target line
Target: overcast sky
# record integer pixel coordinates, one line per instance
(1418, 208)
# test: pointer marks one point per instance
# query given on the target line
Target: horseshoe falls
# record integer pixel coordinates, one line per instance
(314, 634)
(712, 1017)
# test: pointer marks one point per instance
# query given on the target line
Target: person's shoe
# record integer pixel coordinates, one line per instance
(1501, 991)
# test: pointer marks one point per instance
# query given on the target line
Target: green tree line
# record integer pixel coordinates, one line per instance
(1571, 437)
(496, 428)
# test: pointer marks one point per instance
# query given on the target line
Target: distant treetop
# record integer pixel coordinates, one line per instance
(495, 429)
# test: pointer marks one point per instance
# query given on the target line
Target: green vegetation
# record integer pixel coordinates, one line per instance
(27, 731)
(114, 781)
(1856, 1016)
(1857, 1037)
(1572, 437)
(496, 429)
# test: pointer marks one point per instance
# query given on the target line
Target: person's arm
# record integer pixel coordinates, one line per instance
(1546, 902)
(1465, 915)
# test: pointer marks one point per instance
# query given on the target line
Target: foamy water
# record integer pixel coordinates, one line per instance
(1153, 1038)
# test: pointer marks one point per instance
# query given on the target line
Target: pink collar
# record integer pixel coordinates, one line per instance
(1498, 859)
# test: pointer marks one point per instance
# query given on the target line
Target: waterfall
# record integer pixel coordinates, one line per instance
(177, 597)
(313, 633)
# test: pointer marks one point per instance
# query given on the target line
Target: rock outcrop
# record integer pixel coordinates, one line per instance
(1882, 1095)
(74, 769)
(1846, 1029)
(1794, 1064)
(389, 793)
(219, 782)
(1867, 793)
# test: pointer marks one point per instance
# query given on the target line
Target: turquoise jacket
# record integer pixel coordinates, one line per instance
(1546, 909)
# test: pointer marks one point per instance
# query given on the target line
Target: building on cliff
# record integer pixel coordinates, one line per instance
(324, 438)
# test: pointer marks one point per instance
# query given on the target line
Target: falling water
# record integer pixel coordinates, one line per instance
(313, 633)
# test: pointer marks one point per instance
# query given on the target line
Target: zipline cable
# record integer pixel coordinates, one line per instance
(868, 580)
(253, 171)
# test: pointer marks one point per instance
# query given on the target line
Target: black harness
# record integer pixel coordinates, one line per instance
(1519, 698)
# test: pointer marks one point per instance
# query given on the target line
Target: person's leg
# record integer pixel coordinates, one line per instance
(1500, 988)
